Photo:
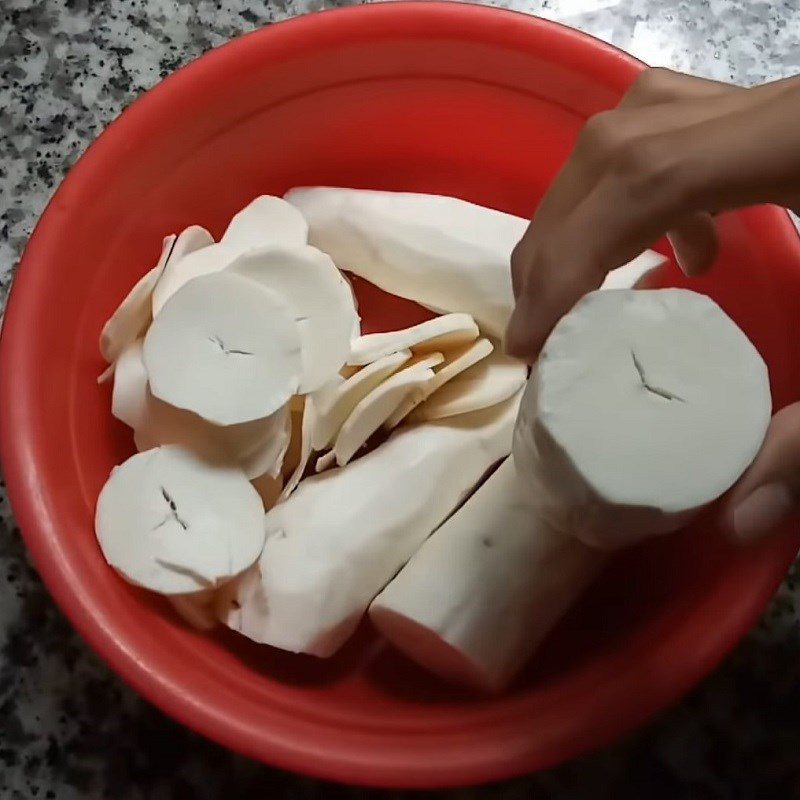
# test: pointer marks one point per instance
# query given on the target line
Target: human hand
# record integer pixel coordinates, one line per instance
(676, 150)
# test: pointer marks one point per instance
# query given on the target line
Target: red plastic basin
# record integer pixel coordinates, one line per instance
(457, 99)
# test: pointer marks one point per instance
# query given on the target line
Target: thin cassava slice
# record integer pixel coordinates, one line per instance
(492, 380)
(224, 349)
(266, 221)
(644, 407)
(437, 334)
(336, 542)
(320, 299)
(373, 411)
(335, 402)
(133, 315)
(172, 522)
(483, 591)
(458, 360)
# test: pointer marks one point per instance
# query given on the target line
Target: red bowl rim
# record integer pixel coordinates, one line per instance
(40, 530)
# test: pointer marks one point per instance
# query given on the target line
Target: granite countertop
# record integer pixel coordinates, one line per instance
(69, 729)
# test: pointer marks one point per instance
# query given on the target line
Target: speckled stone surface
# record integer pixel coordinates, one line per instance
(69, 729)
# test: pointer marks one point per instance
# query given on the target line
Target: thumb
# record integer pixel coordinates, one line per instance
(769, 492)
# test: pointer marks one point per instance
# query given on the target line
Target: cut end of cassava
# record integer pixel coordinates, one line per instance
(224, 351)
(434, 335)
(266, 221)
(665, 406)
(320, 299)
(173, 523)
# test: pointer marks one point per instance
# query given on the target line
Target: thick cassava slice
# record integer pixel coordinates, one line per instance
(483, 591)
(133, 315)
(437, 334)
(458, 360)
(190, 241)
(171, 522)
(258, 447)
(266, 221)
(224, 349)
(335, 402)
(210, 259)
(336, 542)
(320, 299)
(644, 407)
(269, 444)
(368, 416)
(492, 380)
(442, 252)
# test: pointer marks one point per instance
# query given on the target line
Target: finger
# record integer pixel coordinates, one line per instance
(541, 304)
(659, 85)
(769, 491)
(626, 212)
(694, 241)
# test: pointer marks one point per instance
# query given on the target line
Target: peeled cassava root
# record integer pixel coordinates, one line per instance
(621, 370)
(336, 542)
(484, 590)
(444, 253)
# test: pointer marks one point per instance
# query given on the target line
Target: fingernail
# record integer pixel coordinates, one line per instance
(762, 511)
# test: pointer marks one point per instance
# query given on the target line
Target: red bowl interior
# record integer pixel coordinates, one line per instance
(456, 99)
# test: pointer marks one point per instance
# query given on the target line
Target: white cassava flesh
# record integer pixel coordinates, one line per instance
(320, 299)
(214, 258)
(335, 402)
(442, 252)
(483, 591)
(171, 522)
(322, 565)
(192, 240)
(427, 360)
(645, 406)
(257, 446)
(492, 380)
(373, 411)
(225, 349)
(307, 427)
(439, 333)
(458, 360)
(628, 275)
(325, 461)
(134, 313)
(266, 221)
